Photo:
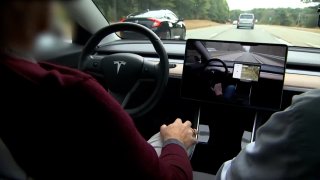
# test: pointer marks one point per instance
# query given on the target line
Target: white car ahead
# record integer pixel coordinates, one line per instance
(246, 20)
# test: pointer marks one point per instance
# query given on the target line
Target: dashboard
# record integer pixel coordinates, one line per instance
(302, 72)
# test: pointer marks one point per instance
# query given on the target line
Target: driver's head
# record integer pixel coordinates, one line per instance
(21, 21)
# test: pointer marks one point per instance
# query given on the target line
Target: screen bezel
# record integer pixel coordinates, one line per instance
(243, 44)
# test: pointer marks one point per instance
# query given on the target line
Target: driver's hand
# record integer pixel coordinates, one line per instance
(180, 131)
(217, 89)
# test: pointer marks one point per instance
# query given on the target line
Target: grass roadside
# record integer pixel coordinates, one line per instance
(315, 30)
(194, 24)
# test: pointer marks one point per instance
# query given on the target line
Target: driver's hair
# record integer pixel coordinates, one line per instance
(21, 20)
(10, 21)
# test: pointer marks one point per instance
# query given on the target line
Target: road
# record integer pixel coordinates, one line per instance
(261, 33)
(251, 58)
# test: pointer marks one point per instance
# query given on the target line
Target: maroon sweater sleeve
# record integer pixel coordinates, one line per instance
(173, 162)
(97, 134)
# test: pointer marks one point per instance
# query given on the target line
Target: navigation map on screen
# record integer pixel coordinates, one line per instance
(246, 72)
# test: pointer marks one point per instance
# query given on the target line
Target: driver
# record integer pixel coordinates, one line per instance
(62, 124)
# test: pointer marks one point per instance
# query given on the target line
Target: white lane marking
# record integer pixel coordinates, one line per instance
(313, 45)
(284, 42)
(316, 34)
(213, 35)
(257, 58)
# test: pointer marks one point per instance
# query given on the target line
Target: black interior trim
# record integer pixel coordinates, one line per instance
(301, 66)
(80, 35)
(304, 49)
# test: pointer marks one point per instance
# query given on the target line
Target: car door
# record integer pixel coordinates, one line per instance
(175, 29)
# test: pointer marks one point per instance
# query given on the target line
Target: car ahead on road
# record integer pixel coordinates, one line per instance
(164, 23)
(246, 20)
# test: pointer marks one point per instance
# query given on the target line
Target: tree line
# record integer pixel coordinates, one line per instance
(302, 17)
(215, 10)
(309, 1)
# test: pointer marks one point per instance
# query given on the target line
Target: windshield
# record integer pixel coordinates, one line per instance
(291, 22)
(246, 16)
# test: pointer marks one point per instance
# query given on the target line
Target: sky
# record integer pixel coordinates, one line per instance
(251, 4)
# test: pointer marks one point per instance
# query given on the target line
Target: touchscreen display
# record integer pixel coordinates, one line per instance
(245, 74)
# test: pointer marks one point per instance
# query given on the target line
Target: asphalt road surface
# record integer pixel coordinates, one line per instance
(261, 33)
(251, 58)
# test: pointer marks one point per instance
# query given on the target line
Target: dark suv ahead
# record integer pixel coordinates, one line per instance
(163, 22)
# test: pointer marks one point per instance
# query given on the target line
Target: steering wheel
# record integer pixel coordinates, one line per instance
(216, 74)
(124, 72)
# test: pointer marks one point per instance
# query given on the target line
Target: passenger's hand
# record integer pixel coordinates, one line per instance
(180, 131)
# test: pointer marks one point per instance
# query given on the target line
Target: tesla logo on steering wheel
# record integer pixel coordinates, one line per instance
(119, 64)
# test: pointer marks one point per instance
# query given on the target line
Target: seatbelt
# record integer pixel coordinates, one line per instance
(9, 169)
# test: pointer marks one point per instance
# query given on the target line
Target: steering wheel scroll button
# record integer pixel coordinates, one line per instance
(95, 64)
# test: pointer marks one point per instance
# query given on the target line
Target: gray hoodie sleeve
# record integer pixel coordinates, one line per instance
(287, 146)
